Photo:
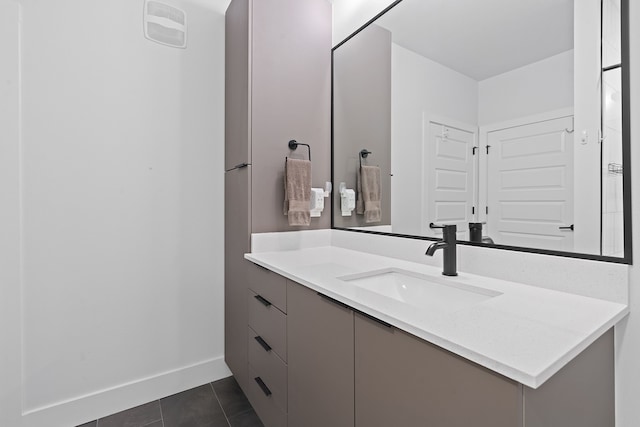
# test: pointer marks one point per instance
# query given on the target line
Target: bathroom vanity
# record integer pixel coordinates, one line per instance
(340, 337)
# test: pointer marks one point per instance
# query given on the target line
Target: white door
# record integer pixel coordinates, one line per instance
(449, 192)
(530, 185)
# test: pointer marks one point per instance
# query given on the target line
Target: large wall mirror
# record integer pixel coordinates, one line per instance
(509, 119)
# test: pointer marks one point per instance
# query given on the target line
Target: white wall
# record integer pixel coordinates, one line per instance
(349, 15)
(419, 85)
(549, 87)
(10, 354)
(587, 208)
(628, 333)
(121, 220)
(612, 202)
(613, 215)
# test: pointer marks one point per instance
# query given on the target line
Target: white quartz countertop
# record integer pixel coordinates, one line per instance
(524, 332)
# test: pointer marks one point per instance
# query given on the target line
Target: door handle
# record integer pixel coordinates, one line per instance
(566, 228)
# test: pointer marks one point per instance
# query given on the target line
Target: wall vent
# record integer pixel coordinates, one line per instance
(165, 24)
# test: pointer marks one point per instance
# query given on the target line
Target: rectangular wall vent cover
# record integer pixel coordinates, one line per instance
(165, 24)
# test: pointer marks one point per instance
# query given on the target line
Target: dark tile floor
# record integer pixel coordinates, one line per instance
(218, 404)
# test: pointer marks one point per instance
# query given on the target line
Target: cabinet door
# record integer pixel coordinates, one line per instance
(237, 143)
(320, 358)
(402, 381)
(236, 244)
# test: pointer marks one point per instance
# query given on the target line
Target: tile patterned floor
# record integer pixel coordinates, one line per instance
(219, 404)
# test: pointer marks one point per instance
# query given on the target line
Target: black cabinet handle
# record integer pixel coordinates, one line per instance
(263, 386)
(335, 301)
(263, 300)
(238, 166)
(567, 228)
(343, 305)
(263, 343)
(375, 319)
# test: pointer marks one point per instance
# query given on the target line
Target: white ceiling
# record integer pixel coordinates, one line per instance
(482, 38)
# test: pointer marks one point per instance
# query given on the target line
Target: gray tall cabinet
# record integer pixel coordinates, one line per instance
(278, 88)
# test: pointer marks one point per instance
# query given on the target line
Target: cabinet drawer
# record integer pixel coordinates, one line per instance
(268, 322)
(269, 367)
(270, 285)
(264, 403)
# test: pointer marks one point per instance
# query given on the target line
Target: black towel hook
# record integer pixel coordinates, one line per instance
(293, 144)
(363, 155)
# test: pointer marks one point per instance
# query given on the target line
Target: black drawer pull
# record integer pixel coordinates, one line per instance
(262, 268)
(263, 343)
(263, 300)
(335, 301)
(375, 319)
(263, 386)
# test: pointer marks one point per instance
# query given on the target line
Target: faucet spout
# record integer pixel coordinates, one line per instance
(435, 246)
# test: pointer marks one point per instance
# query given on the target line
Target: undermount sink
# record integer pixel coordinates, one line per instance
(420, 290)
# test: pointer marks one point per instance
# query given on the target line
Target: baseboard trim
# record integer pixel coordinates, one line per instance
(108, 401)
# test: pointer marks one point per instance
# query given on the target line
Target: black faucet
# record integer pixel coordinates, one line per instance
(448, 246)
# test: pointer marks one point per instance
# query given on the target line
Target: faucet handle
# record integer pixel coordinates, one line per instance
(449, 231)
(443, 226)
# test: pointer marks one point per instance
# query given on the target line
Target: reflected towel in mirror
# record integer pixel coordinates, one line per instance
(368, 193)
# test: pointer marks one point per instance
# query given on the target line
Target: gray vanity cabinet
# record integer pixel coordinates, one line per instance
(403, 381)
(320, 356)
(315, 362)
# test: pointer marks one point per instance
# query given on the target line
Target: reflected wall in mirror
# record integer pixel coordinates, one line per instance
(492, 114)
